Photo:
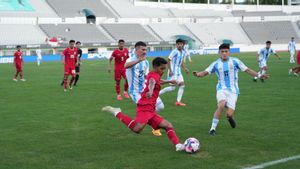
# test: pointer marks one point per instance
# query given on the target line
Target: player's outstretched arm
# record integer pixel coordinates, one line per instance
(162, 82)
(277, 55)
(169, 67)
(109, 64)
(200, 74)
(185, 68)
(151, 88)
(132, 63)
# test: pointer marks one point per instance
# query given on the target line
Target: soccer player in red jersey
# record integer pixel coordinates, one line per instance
(18, 61)
(69, 56)
(296, 70)
(145, 111)
(120, 55)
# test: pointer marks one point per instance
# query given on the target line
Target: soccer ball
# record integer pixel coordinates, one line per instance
(191, 145)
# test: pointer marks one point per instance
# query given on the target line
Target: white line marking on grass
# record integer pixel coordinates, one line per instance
(267, 164)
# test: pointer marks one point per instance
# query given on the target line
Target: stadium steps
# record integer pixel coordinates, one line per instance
(106, 33)
(296, 27)
(153, 33)
(110, 7)
(249, 37)
(56, 12)
(192, 33)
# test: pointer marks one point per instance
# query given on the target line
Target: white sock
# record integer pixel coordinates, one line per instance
(167, 89)
(214, 124)
(263, 72)
(159, 106)
(180, 93)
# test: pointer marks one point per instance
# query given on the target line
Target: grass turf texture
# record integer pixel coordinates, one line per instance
(43, 127)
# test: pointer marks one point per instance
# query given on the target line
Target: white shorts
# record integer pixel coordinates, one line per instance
(262, 64)
(137, 96)
(229, 97)
(178, 78)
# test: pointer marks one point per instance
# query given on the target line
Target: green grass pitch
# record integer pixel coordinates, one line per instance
(41, 127)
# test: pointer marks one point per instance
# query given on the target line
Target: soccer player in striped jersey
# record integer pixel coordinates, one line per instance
(175, 63)
(186, 49)
(296, 70)
(226, 68)
(262, 59)
(145, 110)
(137, 68)
(292, 49)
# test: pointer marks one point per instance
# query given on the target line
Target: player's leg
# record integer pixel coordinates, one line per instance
(66, 75)
(158, 122)
(180, 91)
(38, 61)
(73, 77)
(292, 59)
(118, 81)
(221, 98)
(16, 74)
(132, 124)
(77, 70)
(167, 89)
(125, 84)
(263, 72)
(21, 73)
(231, 103)
(158, 107)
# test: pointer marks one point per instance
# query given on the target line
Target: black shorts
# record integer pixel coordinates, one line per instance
(77, 69)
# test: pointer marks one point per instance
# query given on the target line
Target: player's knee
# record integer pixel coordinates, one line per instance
(160, 106)
(221, 105)
(138, 128)
(117, 82)
(181, 84)
(169, 125)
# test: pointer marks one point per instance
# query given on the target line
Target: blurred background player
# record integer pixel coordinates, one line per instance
(262, 59)
(187, 51)
(78, 62)
(296, 70)
(292, 49)
(69, 56)
(137, 68)
(175, 63)
(38, 56)
(120, 56)
(145, 111)
(226, 68)
(18, 62)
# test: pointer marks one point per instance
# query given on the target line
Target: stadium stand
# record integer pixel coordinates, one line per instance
(168, 31)
(130, 32)
(40, 9)
(85, 33)
(194, 13)
(260, 13)
(65, 9)
(21, 34)
(215, 33)
(277, 32)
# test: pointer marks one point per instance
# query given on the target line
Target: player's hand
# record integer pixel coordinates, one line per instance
(173, 82)
(109, 70)
(195, 73)
(149, 95)
(142, 58)
(77, 64)
(187, 71)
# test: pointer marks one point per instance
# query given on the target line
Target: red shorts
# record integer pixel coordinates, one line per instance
(145, 114)
(19, 67)
(119, 74)
(70, 70)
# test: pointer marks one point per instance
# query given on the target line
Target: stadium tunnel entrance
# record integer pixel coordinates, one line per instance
(90, 17)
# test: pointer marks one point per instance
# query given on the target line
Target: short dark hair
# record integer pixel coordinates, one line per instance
(268, 42)
(140, 43)
(179, 41)
(158, 61)
(18, 46)
(78, 42)
(121, 41)
(71, 41)
(224, 46)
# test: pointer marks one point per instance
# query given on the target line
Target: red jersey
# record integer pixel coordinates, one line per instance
(70, 56)
(18, 57)
(298, 57)
(150, 101)
(120, 57)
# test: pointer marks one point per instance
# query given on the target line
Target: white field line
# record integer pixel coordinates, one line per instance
(267, 164)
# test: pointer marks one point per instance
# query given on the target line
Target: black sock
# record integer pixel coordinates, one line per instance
(76, 79)
(62, 82)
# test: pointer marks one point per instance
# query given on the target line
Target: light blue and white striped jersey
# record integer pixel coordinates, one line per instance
(177, 58)
(292, 46)
(136, 75)
(227, 73)
(264, 54)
